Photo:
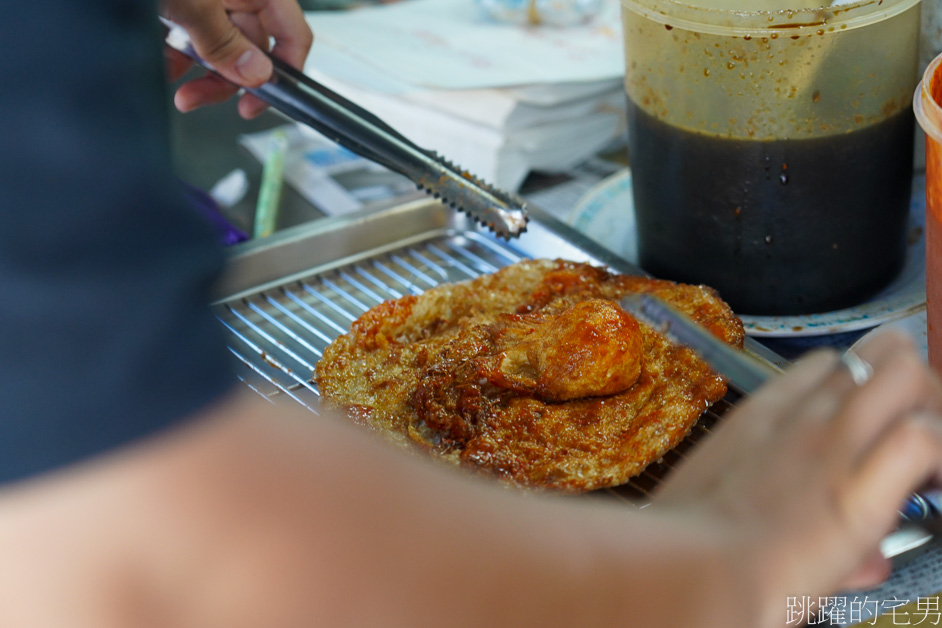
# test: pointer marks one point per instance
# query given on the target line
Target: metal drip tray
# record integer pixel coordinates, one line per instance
(287, 297)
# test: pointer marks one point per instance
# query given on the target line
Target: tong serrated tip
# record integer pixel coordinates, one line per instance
(503, 213)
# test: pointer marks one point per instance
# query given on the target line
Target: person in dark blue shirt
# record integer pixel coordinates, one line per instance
(140, 487)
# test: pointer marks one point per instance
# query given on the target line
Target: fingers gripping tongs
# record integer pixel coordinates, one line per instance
(305, 100)
(920, 515)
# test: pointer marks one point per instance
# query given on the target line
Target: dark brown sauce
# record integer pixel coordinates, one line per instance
(778, 226)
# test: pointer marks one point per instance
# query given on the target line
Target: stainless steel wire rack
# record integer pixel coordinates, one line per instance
(280, 333)
(319, 281)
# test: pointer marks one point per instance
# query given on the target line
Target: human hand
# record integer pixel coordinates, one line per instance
(804, 478)
(230, 35)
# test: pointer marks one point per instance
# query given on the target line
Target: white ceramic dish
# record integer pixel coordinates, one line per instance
(606, 214)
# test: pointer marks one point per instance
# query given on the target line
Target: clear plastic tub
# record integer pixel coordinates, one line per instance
(771, 149)
(928, 106)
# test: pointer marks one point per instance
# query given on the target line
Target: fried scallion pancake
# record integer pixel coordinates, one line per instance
(533, 374)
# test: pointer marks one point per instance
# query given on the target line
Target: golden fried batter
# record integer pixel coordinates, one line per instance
(533, 374)
(588, 350)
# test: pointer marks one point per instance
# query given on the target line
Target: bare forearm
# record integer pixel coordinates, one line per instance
(255, 520)
(358, 534)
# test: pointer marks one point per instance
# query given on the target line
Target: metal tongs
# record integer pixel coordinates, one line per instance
(920, 515)
(304, 100)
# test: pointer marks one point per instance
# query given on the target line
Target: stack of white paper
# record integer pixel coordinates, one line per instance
(498, 99)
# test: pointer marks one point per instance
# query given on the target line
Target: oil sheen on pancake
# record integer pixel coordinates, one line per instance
(533, 374)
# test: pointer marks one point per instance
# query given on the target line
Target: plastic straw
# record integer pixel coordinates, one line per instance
(269, 195)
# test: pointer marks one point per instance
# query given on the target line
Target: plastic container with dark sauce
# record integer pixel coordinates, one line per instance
(771, 149)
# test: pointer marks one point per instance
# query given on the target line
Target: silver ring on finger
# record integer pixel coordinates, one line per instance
(860, 370)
